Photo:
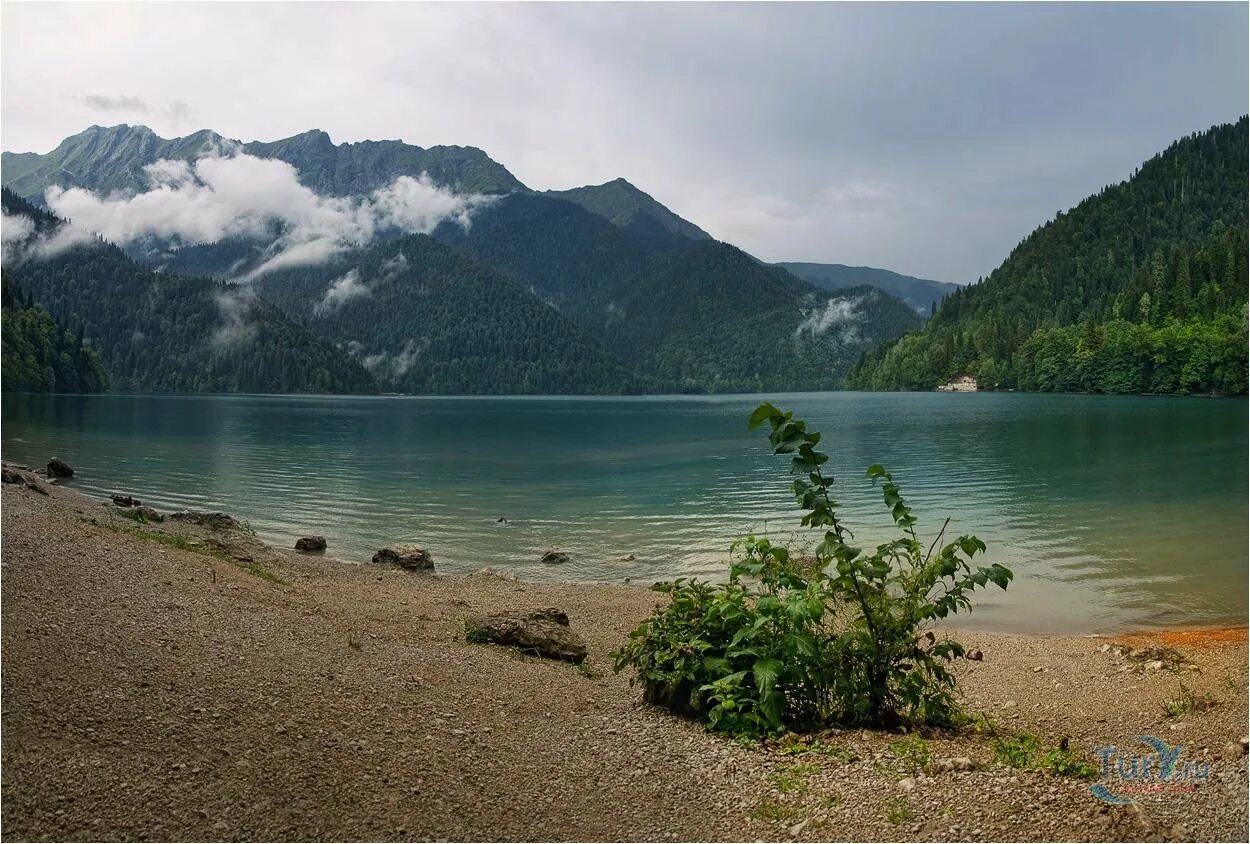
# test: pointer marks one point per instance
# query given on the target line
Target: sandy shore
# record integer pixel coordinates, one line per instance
(160, 692)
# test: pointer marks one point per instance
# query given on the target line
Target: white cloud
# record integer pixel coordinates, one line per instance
(392, 267)
(390, 366)
(838, 313)
(240, 195)
(234, 306)
(342, 290)
(15, 228)
(20, 240)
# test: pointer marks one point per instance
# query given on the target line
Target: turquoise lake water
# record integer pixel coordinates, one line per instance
(1113, 512)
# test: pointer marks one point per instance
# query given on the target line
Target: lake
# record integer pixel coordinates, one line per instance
(1114, 512)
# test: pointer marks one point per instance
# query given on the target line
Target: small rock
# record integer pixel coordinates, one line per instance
(1155, 665)
(1234, 750)
(1011, 704)
(1038, 670)
(907, 784)
(975, 655)
(555, 555)
(31, 483)
(408, 558)
(1105, 648)
(797, 829)
(58, 468)
(955, 763)
(629, 558)
(310, 544)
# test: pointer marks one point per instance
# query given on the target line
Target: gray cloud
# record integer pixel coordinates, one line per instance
(100, 102)
(925, 138)
(175, 114)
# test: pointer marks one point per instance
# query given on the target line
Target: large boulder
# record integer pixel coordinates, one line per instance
(12, 476)
(58, 468)
(413, 559)
(544, 632)
(122, 500)
(310, 544)
(215, 521)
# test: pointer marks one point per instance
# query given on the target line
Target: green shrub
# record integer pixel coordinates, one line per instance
(1018, 751)
(1189, 701)
(914, 752)
(800, 642)
(1024, 750)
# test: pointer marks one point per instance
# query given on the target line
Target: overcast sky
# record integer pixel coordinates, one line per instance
(928, 139)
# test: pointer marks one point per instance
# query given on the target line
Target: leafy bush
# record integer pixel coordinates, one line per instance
(795, 642)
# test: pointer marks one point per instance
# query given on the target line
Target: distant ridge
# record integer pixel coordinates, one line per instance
(920, 293)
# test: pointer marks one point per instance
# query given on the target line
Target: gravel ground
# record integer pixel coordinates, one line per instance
(158, 692)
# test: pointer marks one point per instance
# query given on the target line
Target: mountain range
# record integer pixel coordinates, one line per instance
(597, 289)
(107, 159)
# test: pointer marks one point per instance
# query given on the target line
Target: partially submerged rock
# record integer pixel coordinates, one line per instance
(58, 468)
(409, 558)
(544, 632)
(215, 521)
(310, 544)
(122, 500)
(555, 555)
(496, 573)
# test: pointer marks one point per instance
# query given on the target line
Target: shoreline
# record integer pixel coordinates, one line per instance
(205, 685)
(1094, 624)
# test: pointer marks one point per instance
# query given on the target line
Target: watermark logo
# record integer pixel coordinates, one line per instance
(1163, 770)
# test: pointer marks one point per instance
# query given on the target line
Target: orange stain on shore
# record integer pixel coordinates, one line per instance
(1195, 637)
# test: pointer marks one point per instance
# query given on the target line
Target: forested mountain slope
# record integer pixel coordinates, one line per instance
(1140, 288)
(39, 354)
(698, 315)
(160, 332)
(425, 319)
